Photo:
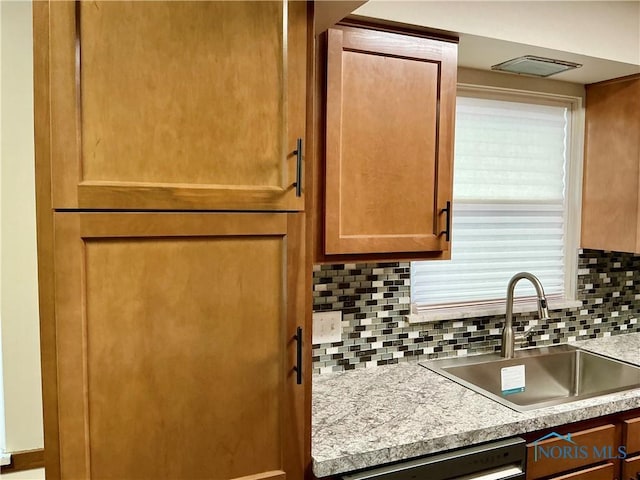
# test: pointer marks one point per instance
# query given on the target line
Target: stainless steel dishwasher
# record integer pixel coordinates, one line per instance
(501, 460)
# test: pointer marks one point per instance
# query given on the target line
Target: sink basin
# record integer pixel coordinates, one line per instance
(553, 375)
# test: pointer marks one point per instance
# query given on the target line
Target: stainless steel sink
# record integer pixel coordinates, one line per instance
(554, 375)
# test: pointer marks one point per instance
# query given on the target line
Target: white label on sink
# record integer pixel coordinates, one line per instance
(512, 379)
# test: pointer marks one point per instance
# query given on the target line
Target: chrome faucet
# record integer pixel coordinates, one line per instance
(508, 335)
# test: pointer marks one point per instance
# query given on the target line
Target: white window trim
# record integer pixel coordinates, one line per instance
(573, 202)
(497, 308)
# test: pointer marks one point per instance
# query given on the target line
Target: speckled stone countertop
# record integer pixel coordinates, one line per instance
(364, 418)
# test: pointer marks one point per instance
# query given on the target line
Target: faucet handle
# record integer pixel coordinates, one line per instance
(527, 331)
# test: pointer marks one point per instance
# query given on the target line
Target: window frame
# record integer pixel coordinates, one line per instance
(572, 204)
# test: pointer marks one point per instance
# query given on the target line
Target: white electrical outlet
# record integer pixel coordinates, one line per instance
(327, 327)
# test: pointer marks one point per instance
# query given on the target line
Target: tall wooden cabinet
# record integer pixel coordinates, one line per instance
(172, 263)
(610, 200)
(387, 138)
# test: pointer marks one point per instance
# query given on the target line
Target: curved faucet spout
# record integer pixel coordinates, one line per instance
(508, 335)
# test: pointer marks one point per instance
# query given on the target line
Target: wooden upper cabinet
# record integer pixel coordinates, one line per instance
(177, 105)
(390, 106)
(610, 201)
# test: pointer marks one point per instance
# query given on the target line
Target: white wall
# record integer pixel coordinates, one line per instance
(3, 440)
(601, 29)
(18, 269)
(37, 474)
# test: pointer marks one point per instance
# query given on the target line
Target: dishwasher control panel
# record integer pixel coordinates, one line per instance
(499, 460)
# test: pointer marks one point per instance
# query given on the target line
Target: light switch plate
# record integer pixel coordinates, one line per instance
(327, 327)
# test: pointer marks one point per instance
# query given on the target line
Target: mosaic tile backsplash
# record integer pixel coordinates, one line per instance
(375, 298)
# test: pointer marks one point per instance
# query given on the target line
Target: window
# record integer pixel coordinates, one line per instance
(513, 204)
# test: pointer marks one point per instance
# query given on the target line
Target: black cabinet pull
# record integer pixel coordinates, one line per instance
(298, 182)
(447, 231)
(298, 367)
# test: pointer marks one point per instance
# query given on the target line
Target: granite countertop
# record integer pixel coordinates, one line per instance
(364, 418)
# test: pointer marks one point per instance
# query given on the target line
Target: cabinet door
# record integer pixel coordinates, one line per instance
(176, 105)
(540, 466)
(389, 142)
(612, 167)
(600, 472)
(175, 345)
(631, 468)
(631, 434)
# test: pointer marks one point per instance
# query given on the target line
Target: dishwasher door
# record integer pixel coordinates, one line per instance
(500, 460)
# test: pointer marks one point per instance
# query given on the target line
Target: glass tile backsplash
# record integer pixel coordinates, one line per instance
(375, 299)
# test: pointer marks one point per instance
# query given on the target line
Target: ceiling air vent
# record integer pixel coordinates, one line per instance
(535, 66)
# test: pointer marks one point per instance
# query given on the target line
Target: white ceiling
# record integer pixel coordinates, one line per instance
(603, 36)
(481, 53)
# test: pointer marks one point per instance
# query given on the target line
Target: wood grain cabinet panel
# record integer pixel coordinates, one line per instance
(176, 104)
(167, 339)
(174, 345)
(541, 466)
(599, 472)
(390, 101)
(631, 435)
(631, 468)
(610, 201)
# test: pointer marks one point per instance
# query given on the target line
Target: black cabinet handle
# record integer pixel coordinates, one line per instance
(298, 367)
(298, 154)
(447, 231)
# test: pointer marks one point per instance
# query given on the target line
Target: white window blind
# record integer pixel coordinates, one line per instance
(508, 206)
